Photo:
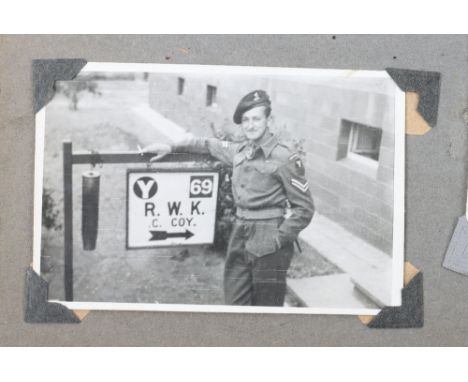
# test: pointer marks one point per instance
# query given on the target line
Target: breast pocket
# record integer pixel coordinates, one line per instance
(263, 178)
(262, 241)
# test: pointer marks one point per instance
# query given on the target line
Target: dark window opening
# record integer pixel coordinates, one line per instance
(180, 85)
(365, 141)
(358, 139)
(210, 95)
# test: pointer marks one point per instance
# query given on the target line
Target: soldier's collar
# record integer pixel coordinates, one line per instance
(268, 145)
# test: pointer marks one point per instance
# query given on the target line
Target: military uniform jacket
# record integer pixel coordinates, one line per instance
(264, 177)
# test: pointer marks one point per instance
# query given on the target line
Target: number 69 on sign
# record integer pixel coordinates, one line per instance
(201, 186)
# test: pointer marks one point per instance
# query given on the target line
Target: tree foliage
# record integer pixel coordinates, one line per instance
(74, 90)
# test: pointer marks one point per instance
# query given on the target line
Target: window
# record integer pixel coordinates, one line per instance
(365, 140)
(359, 141)
(210, 95)
(180, 85)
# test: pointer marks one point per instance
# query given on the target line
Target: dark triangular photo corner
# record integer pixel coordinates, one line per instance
(426, 84)
(38, 309)
(410, 314)
(46, 72)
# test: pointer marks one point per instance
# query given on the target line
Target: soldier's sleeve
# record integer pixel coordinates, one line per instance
(221, 150)
(296, 186)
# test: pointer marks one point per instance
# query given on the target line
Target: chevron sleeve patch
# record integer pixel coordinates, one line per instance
(300, 185)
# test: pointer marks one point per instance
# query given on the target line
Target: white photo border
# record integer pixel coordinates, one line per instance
(399, 187)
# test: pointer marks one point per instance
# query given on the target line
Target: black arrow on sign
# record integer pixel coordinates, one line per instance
(163, 235)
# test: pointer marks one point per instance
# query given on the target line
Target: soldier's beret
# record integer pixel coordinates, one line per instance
(249, 101)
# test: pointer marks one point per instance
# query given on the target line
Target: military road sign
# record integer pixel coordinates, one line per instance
(165, 207)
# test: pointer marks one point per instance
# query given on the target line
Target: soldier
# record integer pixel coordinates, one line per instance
(266, 176)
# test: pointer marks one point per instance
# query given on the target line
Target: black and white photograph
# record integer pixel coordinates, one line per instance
(222, 189)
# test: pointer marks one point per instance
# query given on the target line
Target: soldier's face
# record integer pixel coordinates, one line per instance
(255, 123)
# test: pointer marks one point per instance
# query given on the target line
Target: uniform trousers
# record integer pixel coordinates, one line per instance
(255, 268)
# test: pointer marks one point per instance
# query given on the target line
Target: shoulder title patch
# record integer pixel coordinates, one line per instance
(297, 164)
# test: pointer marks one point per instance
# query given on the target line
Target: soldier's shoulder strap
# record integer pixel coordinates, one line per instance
(283, 153)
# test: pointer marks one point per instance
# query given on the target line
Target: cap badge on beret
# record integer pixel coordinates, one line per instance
(256, 96)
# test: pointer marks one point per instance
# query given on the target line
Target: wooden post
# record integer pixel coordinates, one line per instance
(68, 218)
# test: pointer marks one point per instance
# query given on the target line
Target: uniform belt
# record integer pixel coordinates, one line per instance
(264, 213)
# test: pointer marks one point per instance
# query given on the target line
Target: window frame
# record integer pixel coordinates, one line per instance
(360, 163)
(355, 130)
(353, 136)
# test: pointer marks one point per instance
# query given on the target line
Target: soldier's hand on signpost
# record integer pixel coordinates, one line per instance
(160, 149)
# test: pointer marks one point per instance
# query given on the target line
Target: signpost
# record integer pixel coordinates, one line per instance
(171, 206)
(188, 182)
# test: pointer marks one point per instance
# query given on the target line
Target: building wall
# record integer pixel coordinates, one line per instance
(310, 115)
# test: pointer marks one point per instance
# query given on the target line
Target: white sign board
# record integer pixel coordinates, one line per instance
(167, 208)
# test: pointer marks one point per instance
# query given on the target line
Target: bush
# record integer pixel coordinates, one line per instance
(50, 213)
